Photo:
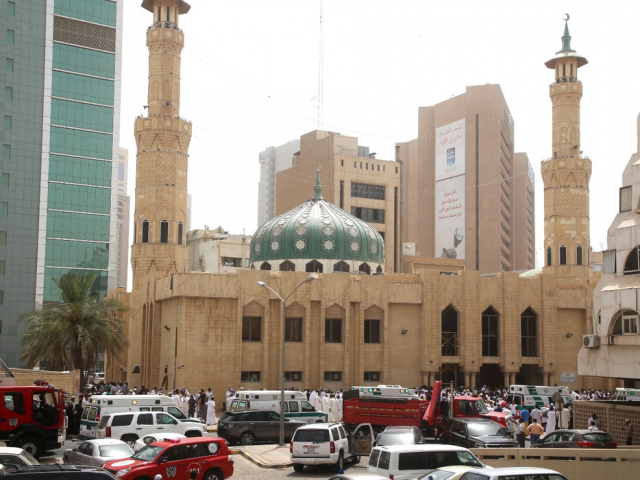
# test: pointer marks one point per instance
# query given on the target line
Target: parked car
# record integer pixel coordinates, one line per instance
(208, 457)
(250, 426)
(155, 437)
(476, 433)
(358, 476)
(577, 439)
(411, 461)
(97, 452)
(16, 456)
(513, 473)
(129, 427)
(399, 436)
(329, 444)
(54, 472)
(454, 472)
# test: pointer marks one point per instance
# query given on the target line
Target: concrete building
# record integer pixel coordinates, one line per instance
(353, 180)
(60, 139)
(124, 215)
(217, 250)
(272, 160)
(343, 328)
(468, 195)
(614, 344)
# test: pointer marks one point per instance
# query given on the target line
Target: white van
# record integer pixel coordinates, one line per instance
(531, 395)
(100, 405)
(296, 405)
(130, 426)
(410, 461)
(626, 395)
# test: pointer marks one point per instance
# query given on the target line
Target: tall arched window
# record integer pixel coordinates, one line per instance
(563, 254)
(145, 231)
(314, 266)
(180, 233)
(450, 332)
(548, 256)
(632, 265)
(287, 266)
(341, 267)
(625, 324)
(265, 266)
(529, 333)
(579, 254)
(365, 268)
(490, 332)
(164, 231)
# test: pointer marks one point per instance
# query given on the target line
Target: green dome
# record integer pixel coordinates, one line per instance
(317, 230)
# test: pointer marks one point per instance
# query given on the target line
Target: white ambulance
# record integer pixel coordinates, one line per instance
(295, 404)
(395, 391)
(626, 395)
(531, 395)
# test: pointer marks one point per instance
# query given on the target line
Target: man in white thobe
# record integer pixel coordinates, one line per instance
(313, 399)
(564, 415)
(211, 412)
(333, 406)
(551, 422)
(326, 408)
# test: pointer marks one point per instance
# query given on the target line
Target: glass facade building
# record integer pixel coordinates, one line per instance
(60, 64)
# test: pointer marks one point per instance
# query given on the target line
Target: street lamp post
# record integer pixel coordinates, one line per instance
(307, 279)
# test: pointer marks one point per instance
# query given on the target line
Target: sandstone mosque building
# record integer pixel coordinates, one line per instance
(356, 324)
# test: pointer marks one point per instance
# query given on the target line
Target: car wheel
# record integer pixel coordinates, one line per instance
(212, 475)
(130, 440)
(30, 444)
(340, 463)
(298, 467)
(247, 438)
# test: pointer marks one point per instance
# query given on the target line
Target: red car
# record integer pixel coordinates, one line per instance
(199, 458)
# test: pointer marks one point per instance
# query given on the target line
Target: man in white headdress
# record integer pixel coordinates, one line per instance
(211, 412)
(313, 399)
(333, 409)
(338, 414)
(230, 398)
(551, 421)
(326, 407)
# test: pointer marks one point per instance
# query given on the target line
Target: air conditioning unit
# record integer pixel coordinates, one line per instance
(590, 341)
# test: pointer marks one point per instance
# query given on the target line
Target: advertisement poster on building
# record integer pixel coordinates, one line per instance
(450, 154)
(450, 233)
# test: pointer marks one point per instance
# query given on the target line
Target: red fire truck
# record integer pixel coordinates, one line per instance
(387, 405)
(33, 417)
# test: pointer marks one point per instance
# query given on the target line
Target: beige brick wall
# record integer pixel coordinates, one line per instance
(612, 416)
(67, 381)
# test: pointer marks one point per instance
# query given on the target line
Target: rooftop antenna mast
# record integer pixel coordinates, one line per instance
(321, 69)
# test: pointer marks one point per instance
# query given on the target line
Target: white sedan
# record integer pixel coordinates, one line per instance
(16, 456)
(155, 437)
(97, 452)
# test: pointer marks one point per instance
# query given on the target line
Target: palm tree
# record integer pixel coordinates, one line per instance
(75, 331)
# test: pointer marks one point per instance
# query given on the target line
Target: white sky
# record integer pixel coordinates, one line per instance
(250, 74)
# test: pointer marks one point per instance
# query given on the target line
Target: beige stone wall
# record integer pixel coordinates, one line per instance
(611, 415)
(67, 381)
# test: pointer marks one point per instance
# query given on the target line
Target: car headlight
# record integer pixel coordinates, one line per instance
(123, 472)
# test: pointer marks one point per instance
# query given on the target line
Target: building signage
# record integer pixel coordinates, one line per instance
(450, 151)
(450, 218)
(570, 377)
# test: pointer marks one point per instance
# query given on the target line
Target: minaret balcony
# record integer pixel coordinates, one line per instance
(565, 80)
(170, 25)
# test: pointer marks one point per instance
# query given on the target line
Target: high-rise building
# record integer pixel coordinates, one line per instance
(467, 194)
(124, 208)
(61, 63)
(352, 178)
(272, 161)
(217, 250)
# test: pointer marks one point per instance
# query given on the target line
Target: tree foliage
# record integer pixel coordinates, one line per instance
(74, 332)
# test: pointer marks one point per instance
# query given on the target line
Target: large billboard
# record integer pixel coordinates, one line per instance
(450, 218)
(450, 158)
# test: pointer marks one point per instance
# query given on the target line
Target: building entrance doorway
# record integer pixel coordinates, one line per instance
(490, 375)
(529, 375)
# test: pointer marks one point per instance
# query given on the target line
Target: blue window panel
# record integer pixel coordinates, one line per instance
(82, 60)
(81, 143)
(79, 170)
(81, 115)
(78, 225)
(52, 292)
(96, 11)
(67, 253)
(85, 89)
(78, 198)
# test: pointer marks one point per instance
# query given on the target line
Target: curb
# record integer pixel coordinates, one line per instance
(257, 462)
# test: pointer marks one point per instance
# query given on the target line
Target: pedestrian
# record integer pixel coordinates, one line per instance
(77, 413)
(524, 415)
(629, 431)
(192, 406)
(520, 433)
(564, 415)
(211, 412)
(535, 430)
(333, 408)
(209, 394)
(202, 405)
(593, 422)
(551, 420)
(125, 388)
(536, 414)
(313, 398)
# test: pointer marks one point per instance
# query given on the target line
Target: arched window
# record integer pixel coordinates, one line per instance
(450, 332)
(529, 333)
(136, 369)
(265, 266)
(164, 231)
(579, 254)
(365, 268)
(314, 266)
(490, 320)
(632, 265)
(626, 324)
(287, 266)
(341, 267)
(379, 269)
(548, 256)
(145, 231)
(180, 233)
(563, 254)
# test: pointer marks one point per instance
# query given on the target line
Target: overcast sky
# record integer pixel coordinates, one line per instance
(250, 78)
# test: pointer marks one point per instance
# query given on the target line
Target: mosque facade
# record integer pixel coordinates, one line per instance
(355, 324)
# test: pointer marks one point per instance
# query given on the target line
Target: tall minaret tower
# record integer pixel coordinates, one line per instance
(160, 218)
(566, 175)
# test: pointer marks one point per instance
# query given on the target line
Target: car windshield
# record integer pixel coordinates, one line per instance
(481, 407)
(148, 453)
(29, 460)
(119, 451)
(176, 412)
(437, 475)
(486, 429)
(598, 437)
(389, 438)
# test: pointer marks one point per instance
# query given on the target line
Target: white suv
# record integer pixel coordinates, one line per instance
(329, 444)
(130, 426)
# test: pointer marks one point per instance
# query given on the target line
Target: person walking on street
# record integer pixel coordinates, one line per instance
(192, 406)
(534, 431)
(520, 435)
(536, 414)
(551, 420)
(564, 415)
(211, 412)
(629, 431)
(524, 415)
(593, 422)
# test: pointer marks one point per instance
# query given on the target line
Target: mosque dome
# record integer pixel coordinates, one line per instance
(317, 236)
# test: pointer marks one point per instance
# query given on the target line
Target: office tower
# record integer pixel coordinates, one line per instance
(272, 161)
(467, 194)
(61, 63)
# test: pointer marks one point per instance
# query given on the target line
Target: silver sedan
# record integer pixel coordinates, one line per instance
(97, 452)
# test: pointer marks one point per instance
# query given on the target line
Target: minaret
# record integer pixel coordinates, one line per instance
(160, 218)
(566, 175)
